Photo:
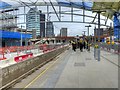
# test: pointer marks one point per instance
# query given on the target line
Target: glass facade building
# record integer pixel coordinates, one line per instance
(63, 32)
(33, 21)
(49, 29)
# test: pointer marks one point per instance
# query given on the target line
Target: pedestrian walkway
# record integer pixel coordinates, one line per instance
(75, 70)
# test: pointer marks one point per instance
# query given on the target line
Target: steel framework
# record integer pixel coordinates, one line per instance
(58, 13)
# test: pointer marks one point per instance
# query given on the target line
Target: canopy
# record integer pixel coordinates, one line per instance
(110, 7)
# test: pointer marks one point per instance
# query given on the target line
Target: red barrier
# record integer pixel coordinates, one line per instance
(45, 48)
(23, 57)
(2, 54)
(3, 58)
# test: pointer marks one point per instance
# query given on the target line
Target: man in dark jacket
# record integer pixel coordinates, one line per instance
(73, 45)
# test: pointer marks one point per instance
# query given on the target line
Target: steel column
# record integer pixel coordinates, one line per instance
(99, 35)
(60, 12)
(72, 14)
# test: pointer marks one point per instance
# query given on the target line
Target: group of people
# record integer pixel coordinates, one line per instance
(80, 43)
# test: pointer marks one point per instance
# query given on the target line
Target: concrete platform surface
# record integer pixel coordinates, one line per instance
(75, 70)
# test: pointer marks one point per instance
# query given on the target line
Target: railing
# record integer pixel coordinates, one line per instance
(113, 48)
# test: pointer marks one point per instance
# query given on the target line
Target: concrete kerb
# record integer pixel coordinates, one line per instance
(7, 62)
(16, 72)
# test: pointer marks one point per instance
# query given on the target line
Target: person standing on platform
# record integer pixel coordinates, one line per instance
(81, 45)
(84, 44)
(73, 45)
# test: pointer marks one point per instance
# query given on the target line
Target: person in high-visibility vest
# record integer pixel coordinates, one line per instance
(108, 43)
(113, 42)
(81, 45)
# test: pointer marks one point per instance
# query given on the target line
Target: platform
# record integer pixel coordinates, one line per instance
(75, 70)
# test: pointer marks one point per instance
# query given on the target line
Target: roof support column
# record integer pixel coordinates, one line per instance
(48, 19)
(71, 14)
(24, 14)
(94, 18)
(47, 13)
(99, 35)
(83, 15)
(106, 19)
(54, 10)
(60, 12)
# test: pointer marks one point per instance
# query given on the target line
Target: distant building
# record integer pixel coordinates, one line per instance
(35, 20)
(42, 25)
(63, 32)
(58, 35)
(49, 29)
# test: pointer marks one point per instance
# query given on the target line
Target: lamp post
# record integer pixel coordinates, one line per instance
(88, 38)
(88, 28)
(21, 36)
(98, 51)
(84, 35)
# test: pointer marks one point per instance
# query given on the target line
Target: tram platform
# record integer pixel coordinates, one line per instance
(75, 70)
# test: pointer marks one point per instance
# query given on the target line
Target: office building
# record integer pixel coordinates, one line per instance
(63, 32)
(42, 25)
(35, 20)
(49, 29)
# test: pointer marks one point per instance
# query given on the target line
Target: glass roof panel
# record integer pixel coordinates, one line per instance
(4, 5)
(110, 7)
(76, 3)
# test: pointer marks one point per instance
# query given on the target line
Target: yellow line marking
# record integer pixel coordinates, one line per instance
(39, 75)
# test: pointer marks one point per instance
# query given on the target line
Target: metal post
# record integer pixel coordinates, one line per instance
(47, 20)
(72, 14)
(60, 12)
(95, 42)
(110, 46)
(24, 13)
(83, 15)
(47, 12)
(21, 36)
(88, 37)
(110, 32)
(26, 43)
(99, 35)
(88, 31)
